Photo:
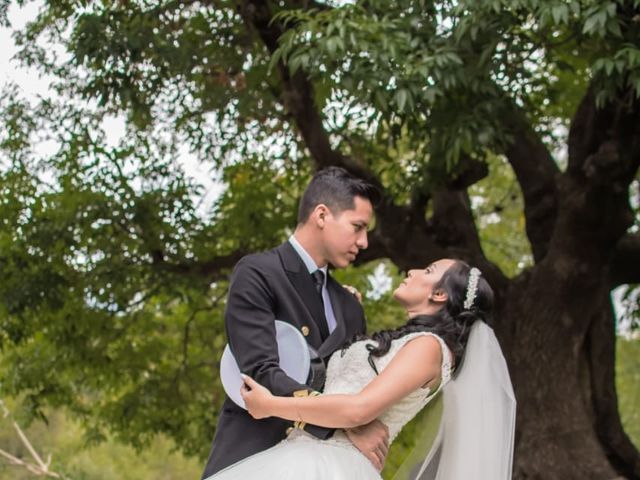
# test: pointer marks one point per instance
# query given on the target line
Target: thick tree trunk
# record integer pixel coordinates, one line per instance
(546, 350)
(559, 337)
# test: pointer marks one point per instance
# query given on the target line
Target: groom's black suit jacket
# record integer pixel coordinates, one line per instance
(264, 287)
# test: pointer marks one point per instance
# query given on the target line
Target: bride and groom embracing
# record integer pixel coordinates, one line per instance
(374, 384)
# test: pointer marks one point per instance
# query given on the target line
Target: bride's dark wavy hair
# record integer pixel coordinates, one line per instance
(452, 322)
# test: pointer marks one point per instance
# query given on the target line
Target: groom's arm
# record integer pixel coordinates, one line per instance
(249, 322)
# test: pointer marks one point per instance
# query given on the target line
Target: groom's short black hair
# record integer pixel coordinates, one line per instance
(336, 188)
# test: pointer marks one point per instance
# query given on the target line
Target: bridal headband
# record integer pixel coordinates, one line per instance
(472, 288)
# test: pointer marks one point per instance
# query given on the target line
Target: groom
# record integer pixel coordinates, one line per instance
(292, 283)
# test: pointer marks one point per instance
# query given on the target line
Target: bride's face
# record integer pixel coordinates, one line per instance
(413, 293)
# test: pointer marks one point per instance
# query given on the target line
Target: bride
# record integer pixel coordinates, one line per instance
(391, 377)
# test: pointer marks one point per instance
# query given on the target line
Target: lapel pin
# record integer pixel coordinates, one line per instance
(305, 330)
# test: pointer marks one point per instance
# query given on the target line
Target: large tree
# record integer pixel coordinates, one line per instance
(114, 277)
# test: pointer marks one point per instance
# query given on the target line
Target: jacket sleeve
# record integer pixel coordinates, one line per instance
(249, 322)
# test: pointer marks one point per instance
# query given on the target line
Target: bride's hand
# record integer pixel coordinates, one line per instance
(256, 398)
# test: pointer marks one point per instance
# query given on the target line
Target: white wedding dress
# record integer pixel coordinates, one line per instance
(301, 455)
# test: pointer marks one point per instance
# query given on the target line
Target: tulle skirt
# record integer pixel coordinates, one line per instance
(302, 456)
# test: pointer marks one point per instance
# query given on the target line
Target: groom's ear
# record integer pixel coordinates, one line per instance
(320, 214)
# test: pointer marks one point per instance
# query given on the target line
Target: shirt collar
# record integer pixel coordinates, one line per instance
(306, 258)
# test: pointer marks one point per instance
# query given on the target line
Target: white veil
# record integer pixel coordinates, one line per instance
(476, 434)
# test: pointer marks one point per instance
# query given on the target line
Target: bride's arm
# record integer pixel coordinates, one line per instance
(416, 364)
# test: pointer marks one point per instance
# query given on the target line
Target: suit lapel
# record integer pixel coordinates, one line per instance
(338, 336)
(301, 280)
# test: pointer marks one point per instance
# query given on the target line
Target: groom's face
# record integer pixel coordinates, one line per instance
(344, 233)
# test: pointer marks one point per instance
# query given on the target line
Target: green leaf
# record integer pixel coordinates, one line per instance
(560, 14)
(401, 97)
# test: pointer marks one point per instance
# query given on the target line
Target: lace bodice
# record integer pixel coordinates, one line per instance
(350, 371)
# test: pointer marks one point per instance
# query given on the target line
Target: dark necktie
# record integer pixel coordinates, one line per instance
(318, 281)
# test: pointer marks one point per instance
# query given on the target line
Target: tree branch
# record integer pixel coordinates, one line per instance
(469, 172)
(212, 269)
(536, 173)
(453, 221)
(40, 468)
(457, 235)
(604, 142)
(624, 262)
(298, 95)
(604, 156)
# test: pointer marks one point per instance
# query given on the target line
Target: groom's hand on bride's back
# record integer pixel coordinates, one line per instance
(372, 440)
